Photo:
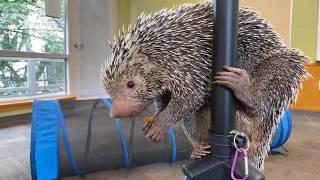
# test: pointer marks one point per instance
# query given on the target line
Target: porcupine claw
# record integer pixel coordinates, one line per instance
(149, 120)
(147, 127)
(152, 130)
(200, 151)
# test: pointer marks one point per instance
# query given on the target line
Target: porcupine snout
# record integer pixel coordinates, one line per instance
(122, 108)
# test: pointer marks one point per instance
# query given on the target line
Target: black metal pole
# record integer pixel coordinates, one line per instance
(222, 101)
(226, 30)
(218, 164)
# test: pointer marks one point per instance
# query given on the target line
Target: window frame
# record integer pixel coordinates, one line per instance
(48, 56)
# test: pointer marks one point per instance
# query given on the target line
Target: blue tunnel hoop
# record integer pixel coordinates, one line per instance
(174, 147)
(283, 130)
(47, 120)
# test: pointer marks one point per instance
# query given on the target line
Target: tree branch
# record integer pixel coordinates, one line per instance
(29, 34)
(57, 22)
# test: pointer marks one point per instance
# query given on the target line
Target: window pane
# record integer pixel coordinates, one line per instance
(22, 77)
(50, 77)
(13, 78)
(25, 27)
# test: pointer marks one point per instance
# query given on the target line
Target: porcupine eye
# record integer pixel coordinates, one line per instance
(130, 84)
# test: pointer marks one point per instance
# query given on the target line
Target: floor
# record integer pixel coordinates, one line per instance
(302, 161)
(14, 153)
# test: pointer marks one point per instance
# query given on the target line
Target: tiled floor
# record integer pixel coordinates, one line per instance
(302, 162)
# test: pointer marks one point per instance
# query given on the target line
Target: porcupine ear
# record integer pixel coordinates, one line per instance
(145, 62)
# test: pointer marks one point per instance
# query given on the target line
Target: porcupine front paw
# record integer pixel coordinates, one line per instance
(153, 131)
(200, 151)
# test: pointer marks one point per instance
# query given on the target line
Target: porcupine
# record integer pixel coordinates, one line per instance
(166, 59)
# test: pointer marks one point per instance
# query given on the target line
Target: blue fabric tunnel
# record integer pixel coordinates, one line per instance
(48, 122)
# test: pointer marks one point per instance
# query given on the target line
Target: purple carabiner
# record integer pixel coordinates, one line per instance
(245, 155)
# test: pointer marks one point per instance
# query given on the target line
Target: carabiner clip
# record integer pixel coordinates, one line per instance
(246, 164)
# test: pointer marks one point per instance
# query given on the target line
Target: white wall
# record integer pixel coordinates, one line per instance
(97, 20)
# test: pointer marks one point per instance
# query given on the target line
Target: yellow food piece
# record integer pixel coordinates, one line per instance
(149, 119)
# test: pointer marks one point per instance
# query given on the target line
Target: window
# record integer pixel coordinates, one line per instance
(22, 77)
(32, 50)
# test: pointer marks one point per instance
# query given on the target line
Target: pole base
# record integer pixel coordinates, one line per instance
(213, 168)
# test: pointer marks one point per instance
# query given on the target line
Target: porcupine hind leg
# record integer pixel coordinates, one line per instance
(196, 129)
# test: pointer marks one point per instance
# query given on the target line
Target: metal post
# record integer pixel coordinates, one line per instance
(218, 164)
(226, 30)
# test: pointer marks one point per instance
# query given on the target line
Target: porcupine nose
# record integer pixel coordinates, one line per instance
(120, 109)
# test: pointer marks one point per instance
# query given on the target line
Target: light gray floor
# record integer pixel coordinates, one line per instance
(302, 162)
(14, 153)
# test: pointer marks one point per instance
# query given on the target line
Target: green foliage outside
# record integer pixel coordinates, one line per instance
(24, 27)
